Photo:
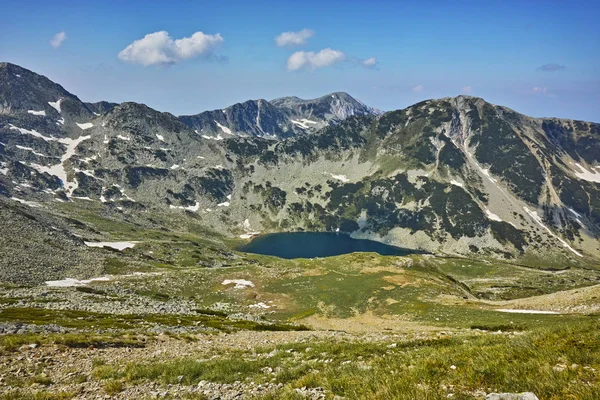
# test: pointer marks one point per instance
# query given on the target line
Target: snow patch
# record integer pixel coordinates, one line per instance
(174, 166)
(518, 311)
(85, 126)
(239, 283)
(68, 282)
(249, 233)
(59, 170)
(456, 183)
(342, 178)
(587, 175)
(27, 203)
(224, 128)
(300, 124)
(83, 198)
(160, 137)
(219, 137)
(223, 204)
(113, 245)
(492, 216)
(40, 113)
(193, 208)
(55, 104)
(123, 138)
(31, 150)
(32, 132)
(534, 215)
(61, 121)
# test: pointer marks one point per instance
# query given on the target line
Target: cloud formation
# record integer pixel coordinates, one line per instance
(369, 62)
(159, 48)
(537, 90)
(294, 38)
(418, 89)
(311, 60)
(58, 39)
(551, 67)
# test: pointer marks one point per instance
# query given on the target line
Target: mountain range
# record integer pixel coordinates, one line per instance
(454, 176)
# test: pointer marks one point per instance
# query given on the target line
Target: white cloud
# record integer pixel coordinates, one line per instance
(467, 90)
(294, 38)
(58, 39)
(324, 58)
(418, 89)
(159, 48)
(535, 90)
(369, 62)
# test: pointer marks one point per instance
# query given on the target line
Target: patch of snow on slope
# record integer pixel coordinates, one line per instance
(4, 169)
(534, 215)
(59, 170)
(40, 113)
(224, 128)
(456, 183)
(85, 126)
(223, 204)
(587, 175)
(60, 121)
(577, 215)
(342, 178)
(492, 216)
(160, 137)
(519, 311)
(249, 233)
(113, 245)
(55, 104)
(219, 137)
(32, 133)
(193, 208)
(125, 138)
(27, 203)
(31, 150)
(239, 283)
(300, 124)
(68, 282)
(174, 166)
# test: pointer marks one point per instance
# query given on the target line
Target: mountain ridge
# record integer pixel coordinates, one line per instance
(457, 176)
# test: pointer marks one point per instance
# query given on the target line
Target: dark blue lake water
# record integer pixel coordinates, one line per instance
(317, 244)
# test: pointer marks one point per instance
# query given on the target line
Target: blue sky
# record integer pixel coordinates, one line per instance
(429, 49)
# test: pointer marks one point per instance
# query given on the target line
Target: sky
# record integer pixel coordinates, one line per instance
(541, 58)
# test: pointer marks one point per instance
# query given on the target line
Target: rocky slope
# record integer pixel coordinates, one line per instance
(453, 176)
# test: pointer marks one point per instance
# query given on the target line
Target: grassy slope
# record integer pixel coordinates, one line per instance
(417, 293)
